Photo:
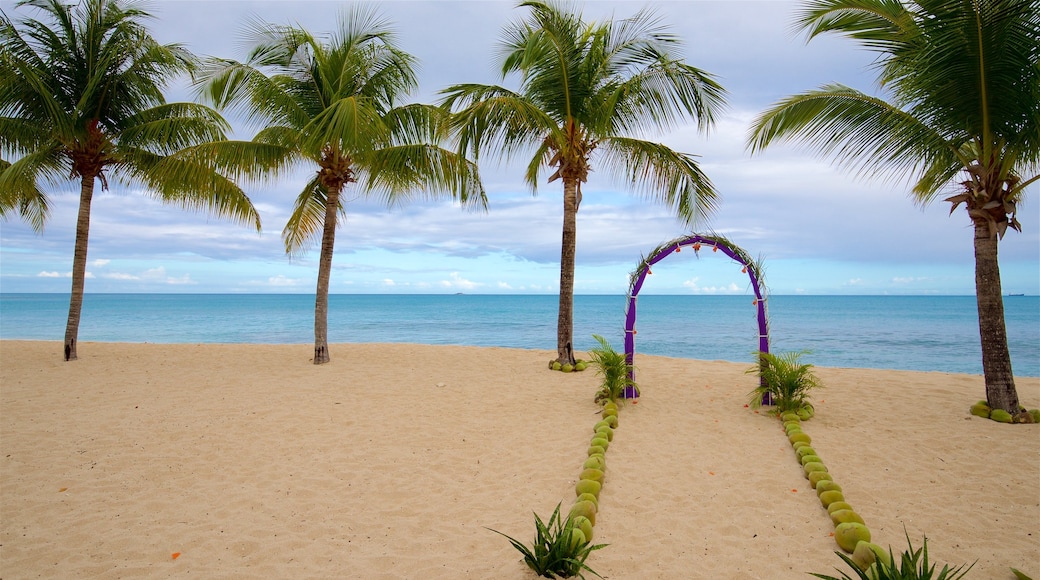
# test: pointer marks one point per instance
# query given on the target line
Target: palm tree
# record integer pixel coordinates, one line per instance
(80, 99)
(584, 89)
(334, 104)
(963, 116)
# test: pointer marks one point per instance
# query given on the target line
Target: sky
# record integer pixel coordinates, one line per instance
(815, 228)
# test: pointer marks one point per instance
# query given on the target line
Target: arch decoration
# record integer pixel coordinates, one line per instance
(696, 242)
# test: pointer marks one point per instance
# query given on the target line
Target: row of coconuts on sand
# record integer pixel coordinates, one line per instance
(982, 409)
(851, 534)
(590, 482)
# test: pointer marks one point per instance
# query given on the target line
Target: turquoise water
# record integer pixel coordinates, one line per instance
(890, 332)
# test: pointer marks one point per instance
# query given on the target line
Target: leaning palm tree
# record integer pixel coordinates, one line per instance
(334, 104)
(962, 115)
(585, 88)
(80, 99)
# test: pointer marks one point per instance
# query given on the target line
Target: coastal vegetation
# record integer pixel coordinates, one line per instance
(81, 99)
(786, 382)
(585, 89)
(336, 104)
(959, 113)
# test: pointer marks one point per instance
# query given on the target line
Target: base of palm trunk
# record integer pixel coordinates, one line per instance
(321, 354)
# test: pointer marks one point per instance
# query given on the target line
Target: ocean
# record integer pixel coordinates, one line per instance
(923, 333)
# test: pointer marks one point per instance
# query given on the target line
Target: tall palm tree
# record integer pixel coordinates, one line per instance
(334, 104)
(962, 79)
(584, 89)
(80, 99)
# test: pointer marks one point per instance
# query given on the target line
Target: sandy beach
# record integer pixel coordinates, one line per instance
(247, 461)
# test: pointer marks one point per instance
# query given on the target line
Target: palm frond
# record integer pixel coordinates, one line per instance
(661, 174)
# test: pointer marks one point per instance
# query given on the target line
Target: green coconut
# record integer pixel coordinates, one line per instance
(606, 432)
(827, 485)
(837, 506)
(609, 412)
(580, 366)
(829, 497)
(805, 450)
(814, 466)
(585, 509)
(795, 437)
(577, 539)
(602, 442)
(790, 416)
(596, 450)
(588, 497)
(980, 409)
(593, 474)
(850, 534)
(612, 421)
(1000, 416)
(793, 429)
(584, 524)
(865, 554)
(845, 517)
(806, 413)
(601, 424)
(588, 486)
(556, 365)
(595, 462)
(817, 477)
(610, 405)
(811, 459)
(567, 367)
(1036, 415)
(789, 423)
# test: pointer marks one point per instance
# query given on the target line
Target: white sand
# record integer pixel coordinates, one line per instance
(251, 462)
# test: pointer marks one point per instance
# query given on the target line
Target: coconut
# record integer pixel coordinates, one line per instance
(612, 421)
(609, 412)
(584, 524)
(580, 366)
(556, 366)
(593, 474)
(577, 539)
(602, 442)
(601, 424)
(980, 410)
(796, 437)
(814, 466)
(790, 416)
(806, 413)
(585, 509)
(595, 462)
(1000, 416)
(827, 485)
(1036, 415)
(596, 450)
(588, 497)
(829, 497)
(817, 477)
(587, 486)
(811, 459)
(606, 432)
(850, 534)
(863, 555)
(805, 450)
(845, 517)
(838, 505)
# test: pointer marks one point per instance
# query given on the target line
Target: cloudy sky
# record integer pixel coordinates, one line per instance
(817, 230)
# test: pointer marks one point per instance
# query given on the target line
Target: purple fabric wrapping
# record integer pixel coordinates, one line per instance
(637, 285)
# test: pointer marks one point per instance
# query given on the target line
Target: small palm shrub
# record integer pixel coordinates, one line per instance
(785, 379)
(614, 369)
(559, 548)
(912, 565)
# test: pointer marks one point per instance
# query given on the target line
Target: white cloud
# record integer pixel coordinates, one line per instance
(120, 276)
(855, 282)
(693, 285)
(458, 282)
(182, 281)
(283, 281)
(388, 282)
(100, 262)
(52, 274)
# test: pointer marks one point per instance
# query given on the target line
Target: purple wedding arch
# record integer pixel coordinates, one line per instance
(696, 242)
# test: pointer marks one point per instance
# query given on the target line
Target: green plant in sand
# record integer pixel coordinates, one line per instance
(912, 565)
(559, 550)
(786, 379)
(614, 368)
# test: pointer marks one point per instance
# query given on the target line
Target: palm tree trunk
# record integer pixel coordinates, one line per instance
(321, 296)
(996, 360)
(565, 320)
(79, 266)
